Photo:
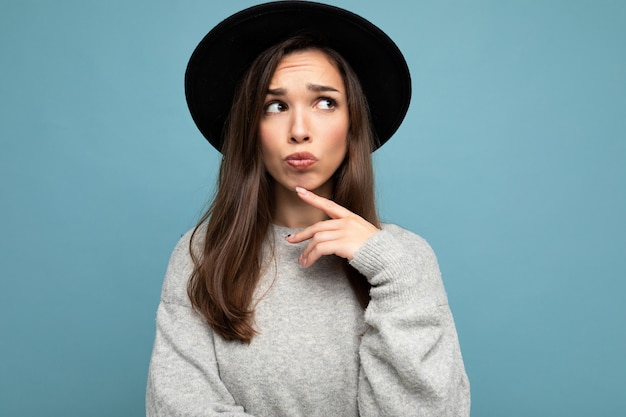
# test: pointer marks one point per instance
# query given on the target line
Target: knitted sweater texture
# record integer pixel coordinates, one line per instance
(317, 352)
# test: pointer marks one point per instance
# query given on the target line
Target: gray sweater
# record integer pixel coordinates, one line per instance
(317, 353)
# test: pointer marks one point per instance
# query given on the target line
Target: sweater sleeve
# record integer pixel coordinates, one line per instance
(411, 362)
(183, 378)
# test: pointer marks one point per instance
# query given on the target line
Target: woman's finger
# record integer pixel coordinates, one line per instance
(343, 235)
(344, 238)
(308, 232)
(325, 243)
(332, 209)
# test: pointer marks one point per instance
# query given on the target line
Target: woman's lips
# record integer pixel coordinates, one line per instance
(301, 160)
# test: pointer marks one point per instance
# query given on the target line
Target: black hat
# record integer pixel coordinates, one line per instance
(222, 57)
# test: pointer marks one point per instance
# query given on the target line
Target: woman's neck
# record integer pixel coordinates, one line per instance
(291, 211)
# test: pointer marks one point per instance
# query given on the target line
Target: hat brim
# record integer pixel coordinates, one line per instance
(226, 52)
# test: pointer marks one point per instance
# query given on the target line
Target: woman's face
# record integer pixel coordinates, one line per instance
(304, 128)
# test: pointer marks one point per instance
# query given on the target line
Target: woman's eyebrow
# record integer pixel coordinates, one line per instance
(320, 88)
(276, 91)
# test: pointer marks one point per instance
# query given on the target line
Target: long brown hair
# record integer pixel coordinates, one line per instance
(228, 266)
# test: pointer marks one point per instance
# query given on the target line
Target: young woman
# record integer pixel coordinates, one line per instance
(290, 298)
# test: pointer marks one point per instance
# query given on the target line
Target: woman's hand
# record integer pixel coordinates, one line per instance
(342, 235)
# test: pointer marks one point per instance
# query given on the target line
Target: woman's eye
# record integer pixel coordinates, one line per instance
(274, 107)
(326, 104)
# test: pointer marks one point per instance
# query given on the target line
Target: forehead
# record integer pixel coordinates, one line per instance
(311, 63)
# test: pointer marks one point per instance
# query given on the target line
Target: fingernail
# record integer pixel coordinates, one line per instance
(301, 190)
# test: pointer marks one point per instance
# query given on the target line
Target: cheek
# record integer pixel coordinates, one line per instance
(339, 137)
(263, 135)
(340, 127)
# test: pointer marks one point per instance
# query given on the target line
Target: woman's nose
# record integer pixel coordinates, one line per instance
(299, 127)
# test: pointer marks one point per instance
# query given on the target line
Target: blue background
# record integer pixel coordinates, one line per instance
(511, 162)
